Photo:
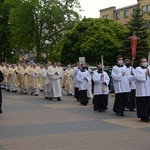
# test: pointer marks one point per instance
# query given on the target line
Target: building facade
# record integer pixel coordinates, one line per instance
(123, 15)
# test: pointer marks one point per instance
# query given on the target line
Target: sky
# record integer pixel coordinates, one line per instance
(91, 7)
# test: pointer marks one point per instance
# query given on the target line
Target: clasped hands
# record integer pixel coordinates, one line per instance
(85, 78)
(148, 72)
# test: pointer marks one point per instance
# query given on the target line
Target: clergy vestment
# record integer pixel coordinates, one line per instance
(142, 93)
(121, 87)
(101, 91)
(54, 83)
(13, 79)
(24, 80)
(68, 77)
(89, 91)
(83, 77)
(1, 79)
(46, 82)
(61, 76)
(132, 83)
(6, 77)
(2, 83)
(75, 83)
(34, 81)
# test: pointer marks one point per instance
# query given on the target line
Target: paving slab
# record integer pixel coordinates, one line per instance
(34, 123)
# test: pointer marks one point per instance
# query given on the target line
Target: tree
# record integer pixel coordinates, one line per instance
(34, 21)
(4, 32)
(92, 38)
(138, 25)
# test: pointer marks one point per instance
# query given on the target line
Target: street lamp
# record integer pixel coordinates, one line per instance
(47, 42)
(12, 53)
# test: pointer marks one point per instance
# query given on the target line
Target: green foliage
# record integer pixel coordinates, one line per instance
(92, 38)
(34, 21)
(4, 32)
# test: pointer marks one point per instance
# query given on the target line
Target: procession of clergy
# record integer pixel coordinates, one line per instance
(131, 85)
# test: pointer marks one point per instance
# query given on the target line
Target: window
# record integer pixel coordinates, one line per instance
(117, 15)
(107, 16)
(148, 8)
(126, 14)
(146, 23)
(144, 9)
(134, 12)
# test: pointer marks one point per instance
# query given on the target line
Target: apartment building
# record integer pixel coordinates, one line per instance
(123, 14)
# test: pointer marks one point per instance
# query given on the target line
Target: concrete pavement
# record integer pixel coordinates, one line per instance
(34, 123)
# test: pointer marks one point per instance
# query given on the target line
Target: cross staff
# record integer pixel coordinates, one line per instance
(134, 41)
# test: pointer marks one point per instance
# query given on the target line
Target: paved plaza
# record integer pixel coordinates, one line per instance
(34, 123)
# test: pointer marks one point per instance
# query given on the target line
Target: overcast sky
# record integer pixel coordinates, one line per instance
(91, 7)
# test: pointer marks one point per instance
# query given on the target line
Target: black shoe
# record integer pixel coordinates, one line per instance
(95, 109)
(58, 99)
(145, 119)
(14, 91)
(1, 111)
(122, 114)
(132, 110)
(101, 110)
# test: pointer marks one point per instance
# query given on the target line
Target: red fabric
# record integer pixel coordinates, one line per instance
(134, 41)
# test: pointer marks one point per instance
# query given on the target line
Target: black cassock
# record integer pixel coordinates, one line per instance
(143, 106)
(1, 79)
(120, 102)
(100, 102)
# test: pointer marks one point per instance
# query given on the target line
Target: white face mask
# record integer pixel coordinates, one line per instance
(120, 62)
(144, 64)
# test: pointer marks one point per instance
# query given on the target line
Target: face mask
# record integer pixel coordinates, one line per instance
(83, 67)
(144, 64)
(127, 64)
(99, 71)
(120, 62)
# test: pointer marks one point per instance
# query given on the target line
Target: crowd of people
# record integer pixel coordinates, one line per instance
(131, 85)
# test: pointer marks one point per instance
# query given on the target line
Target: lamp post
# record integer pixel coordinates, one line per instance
(149, 58)
(12, 53)
(2, 56)
(47, 42)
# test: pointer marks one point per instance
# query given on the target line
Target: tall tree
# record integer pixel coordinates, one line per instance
(34, 21)
(4, 32)
(138, 25)
(92, 38)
